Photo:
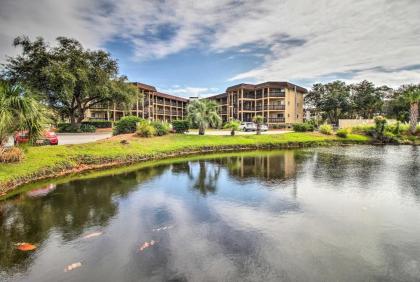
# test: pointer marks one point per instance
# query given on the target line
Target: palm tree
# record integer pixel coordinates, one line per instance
(203, 113)
(233, 125)
(412, 95)
(259, 121)
(19, 111)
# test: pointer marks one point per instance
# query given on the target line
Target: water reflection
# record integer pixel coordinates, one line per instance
(322, 214)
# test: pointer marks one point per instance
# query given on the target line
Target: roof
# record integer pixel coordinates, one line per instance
(168, 96)
(282, 84)
(241, 85)
(272, 84)
(218, 96)
(145, 86)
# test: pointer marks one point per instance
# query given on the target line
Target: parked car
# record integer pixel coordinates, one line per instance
(248, 126)
(264, 127)
(47, 138)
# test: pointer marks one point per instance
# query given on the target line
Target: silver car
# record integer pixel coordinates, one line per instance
(248, 126)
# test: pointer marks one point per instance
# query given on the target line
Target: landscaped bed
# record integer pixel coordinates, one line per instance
(46, 162)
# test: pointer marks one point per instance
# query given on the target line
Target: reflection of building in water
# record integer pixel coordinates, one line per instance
(266, 167)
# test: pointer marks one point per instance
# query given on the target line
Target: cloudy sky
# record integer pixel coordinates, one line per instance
(190, 47)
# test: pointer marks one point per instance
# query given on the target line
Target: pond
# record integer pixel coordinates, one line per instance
(323, 214)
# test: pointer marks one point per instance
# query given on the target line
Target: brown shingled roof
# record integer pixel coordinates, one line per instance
(164, 95)
(241, 85)
(218, 96)
(145, 86)
(280, 84)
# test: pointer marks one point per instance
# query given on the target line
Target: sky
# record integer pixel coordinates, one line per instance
(201, 47)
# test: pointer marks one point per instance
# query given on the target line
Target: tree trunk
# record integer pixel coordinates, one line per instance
(72, 119)
(414, 113)
(201, 130)
(258, 129)
(232, 133)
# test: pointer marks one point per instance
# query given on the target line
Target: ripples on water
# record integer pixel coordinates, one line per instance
(327, 214)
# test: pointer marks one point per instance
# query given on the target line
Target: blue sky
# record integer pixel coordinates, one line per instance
(193, 47)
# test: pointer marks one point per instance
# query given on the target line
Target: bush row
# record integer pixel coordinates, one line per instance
(303, 127)
(67, 127)
(99, 123)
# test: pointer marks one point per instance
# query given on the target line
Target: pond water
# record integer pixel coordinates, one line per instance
(324, 214)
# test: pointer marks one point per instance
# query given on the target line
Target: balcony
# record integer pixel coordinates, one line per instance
(276, 107)
(276, 120)
(277, 93)
(249, 96)
(270, 107)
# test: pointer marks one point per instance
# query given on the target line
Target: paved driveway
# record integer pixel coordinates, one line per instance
(75, 138)
(80, 138)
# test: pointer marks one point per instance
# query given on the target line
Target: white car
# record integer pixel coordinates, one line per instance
(264, 127)
(248, 126)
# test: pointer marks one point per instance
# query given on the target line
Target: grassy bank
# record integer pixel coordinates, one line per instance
(51, 161)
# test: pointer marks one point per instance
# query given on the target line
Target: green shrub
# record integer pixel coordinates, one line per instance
(390, 137)
(342, 133)
(126, 125)
(326, 129)
(11, 155)
(87, 128)
(303, 127)
(99, 123)
(181, 126)
(380, 124)
(162, 128)
(145, 129)
(68, 128)
(363, 129)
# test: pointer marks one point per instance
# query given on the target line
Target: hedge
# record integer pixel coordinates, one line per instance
(181, 126)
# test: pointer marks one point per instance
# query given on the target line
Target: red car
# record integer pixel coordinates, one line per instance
(47, 138)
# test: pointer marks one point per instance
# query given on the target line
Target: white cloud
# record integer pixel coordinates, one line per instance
(192, 91)
(301, 40)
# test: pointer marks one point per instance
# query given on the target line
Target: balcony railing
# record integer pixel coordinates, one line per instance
(274, 120)
(270, 107)
(277, 94)
(276, 107)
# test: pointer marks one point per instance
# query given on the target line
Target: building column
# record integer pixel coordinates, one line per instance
(242, 105)
(268, 105)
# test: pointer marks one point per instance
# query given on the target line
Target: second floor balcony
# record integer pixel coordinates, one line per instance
(277, 120)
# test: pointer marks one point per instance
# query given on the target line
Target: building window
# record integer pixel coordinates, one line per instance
(288, 115)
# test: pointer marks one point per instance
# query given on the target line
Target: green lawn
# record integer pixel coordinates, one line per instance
(55, 158)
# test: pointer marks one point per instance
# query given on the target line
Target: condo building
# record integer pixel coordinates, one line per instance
(151, 104)
(280, 103)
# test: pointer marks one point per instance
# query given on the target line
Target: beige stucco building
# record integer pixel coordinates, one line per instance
(151, 104)
(280, 103)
